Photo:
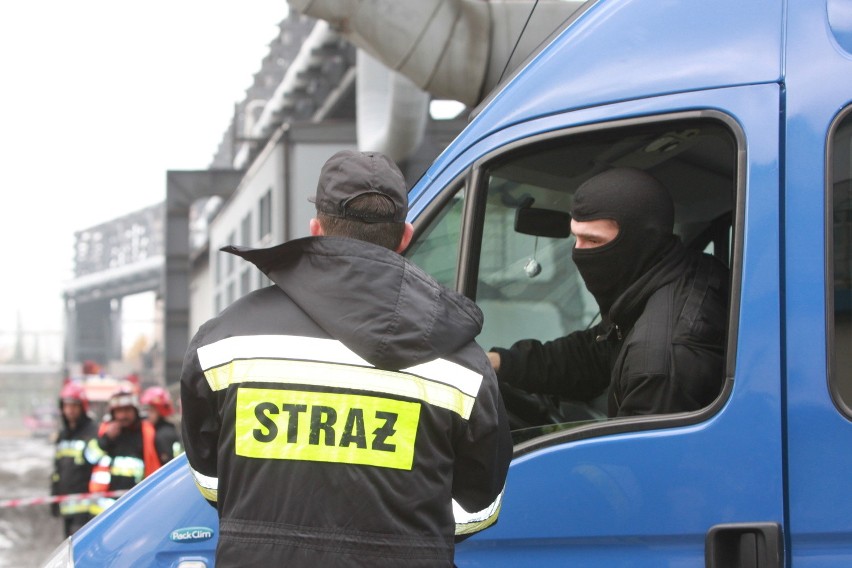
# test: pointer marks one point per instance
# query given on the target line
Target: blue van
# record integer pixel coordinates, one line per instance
(743, 109)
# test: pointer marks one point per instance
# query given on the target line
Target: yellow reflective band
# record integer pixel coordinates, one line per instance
(72, 453)
(469, 523)
(74, 507)
(326, 427)
(100, 505)
(71, 449)
(294, 347)
(93, 452)
(67, 452)
(341, 376)
(209, 494)
(477, 526)
(278, 347)
(208, 486)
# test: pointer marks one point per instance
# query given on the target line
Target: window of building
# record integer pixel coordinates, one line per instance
(265, 215)
(245, 230)
(230, 294)
(229, 258)
(245, 282)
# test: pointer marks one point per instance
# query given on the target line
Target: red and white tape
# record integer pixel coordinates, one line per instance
(11, 503)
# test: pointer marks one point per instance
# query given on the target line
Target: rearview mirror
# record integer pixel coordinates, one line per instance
(543, 223)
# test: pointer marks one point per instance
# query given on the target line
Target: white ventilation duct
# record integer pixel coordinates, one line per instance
(391, 110)
(416, 38)
(452, 49)
(391, 113)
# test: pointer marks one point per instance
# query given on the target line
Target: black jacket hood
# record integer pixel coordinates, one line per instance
(377, 303)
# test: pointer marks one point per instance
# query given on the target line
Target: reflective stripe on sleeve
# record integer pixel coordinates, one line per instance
(469, 523)
(209, 486)
(100, 505)
(127, 466)
(71, 449)
(93, 452)
(101, 477)
(74, 507)
(327, 362)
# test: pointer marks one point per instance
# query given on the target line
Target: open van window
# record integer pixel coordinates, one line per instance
(436, 248)
(520, 269)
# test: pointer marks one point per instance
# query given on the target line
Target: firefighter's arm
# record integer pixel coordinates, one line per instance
(484, 450)
(111, 432)
(200, 425)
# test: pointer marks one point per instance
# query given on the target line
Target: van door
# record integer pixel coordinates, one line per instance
(585, 489)
(818, 303)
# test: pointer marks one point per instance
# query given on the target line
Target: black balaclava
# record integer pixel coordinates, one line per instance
(644, 212)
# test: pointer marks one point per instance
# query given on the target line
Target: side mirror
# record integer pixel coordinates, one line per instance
(542, 222)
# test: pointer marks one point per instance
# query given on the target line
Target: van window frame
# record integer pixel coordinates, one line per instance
(470, 251)
(462, 182)
(832, 383)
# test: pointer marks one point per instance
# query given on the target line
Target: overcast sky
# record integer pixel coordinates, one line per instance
(98, 98)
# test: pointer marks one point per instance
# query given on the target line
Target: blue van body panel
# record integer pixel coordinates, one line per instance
(818, 430)
(592, 501)
(137, 529)
(776, 450)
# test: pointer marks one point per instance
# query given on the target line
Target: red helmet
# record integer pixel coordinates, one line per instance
(90, 367)
(74, 392)
(159, 398)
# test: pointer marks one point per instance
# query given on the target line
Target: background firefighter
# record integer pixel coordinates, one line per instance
(71, 471)
(158, 408)
(124, 453)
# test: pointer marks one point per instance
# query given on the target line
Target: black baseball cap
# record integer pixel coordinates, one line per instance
(349, 174)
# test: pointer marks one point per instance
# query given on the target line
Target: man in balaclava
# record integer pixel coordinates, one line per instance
(660, 346)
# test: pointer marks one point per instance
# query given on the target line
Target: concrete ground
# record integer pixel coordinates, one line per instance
(27, 534)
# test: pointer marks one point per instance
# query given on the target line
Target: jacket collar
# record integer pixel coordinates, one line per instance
(630, 305)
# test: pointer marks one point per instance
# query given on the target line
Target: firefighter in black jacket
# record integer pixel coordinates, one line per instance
(71, 471)
(158, 406)
(660, 347)
(332, 418)
(124, 453)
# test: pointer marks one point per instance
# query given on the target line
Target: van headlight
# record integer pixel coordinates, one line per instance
(62, 557)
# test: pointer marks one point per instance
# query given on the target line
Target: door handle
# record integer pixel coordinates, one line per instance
(744, 545)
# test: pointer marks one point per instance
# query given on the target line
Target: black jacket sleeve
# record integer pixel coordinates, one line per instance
(485, 448)
(576, 366)
(167, 442)
(200, 425)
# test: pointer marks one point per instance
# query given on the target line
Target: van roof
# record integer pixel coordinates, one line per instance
(617, 50)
